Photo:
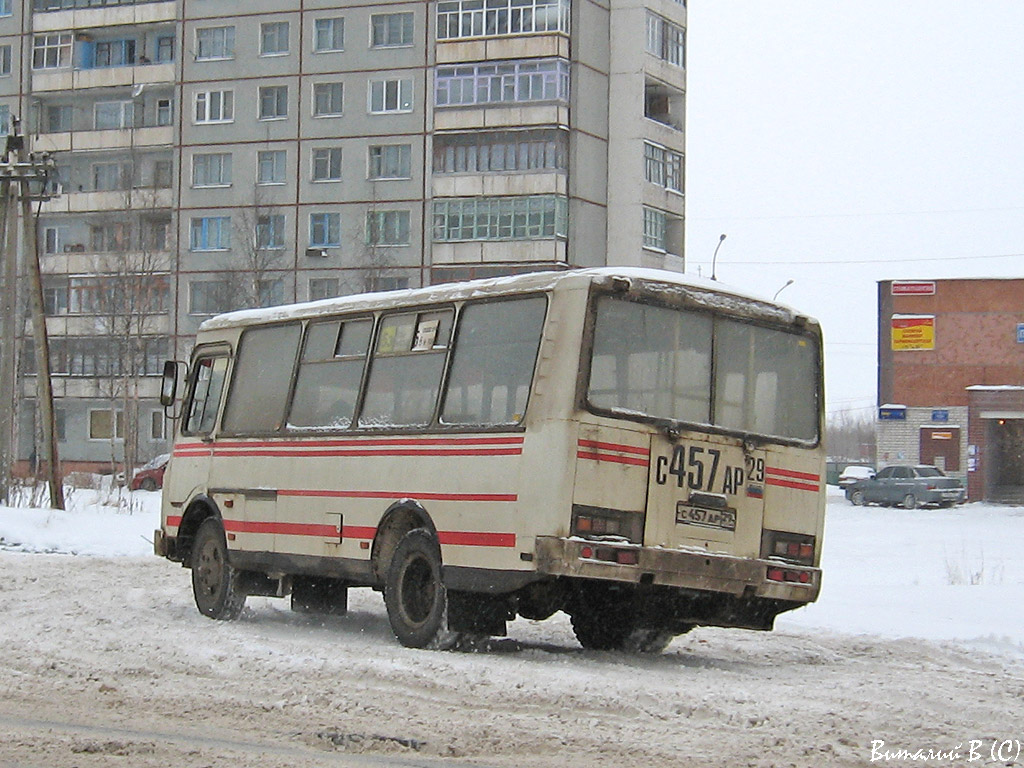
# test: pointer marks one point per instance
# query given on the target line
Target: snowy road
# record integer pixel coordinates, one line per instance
(106, 662)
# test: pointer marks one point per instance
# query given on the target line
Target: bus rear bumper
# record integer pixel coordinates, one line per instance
(684, 569)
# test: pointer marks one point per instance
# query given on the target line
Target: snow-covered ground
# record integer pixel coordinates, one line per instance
(105, 661)
(940, 574)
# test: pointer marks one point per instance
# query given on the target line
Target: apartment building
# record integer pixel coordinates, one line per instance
(213, 156)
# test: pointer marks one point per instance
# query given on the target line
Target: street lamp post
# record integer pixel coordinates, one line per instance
(714, 259)
(784, 287)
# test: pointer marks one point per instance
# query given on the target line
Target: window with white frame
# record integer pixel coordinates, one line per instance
(270, 231)
(54, 239)
(327, 164)
(501, 151)
(211, 169)
(110, 177)
(164, 112)
(52, 51)
(324, 230)
(274, 38)
(491, 18)
(502, 83)
(328, 99)
(215, 107)
(529, 217)
(389, 30)
(270, 166)
(323, 288)
(273, 102)
(112, 237)
(164, 49)
(666, 40)
(113, 53)
(208, 297)
(655, 226)
(387, 227)
(58, 118)
(390, 161)
(663, 167)
(5, 8)
(215, 43)
(5, 60)
(210, 233)
(329, 34)
(113, 115)
(390, 96)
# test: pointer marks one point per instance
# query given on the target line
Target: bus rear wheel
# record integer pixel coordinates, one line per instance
(415, 595)
(215, 584)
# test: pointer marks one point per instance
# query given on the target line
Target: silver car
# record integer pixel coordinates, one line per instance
(909, 487)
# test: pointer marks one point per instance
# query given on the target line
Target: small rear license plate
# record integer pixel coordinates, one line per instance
(705, 518)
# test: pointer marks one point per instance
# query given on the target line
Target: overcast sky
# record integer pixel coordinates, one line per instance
(837, 144)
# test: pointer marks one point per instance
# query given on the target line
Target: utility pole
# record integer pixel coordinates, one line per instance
(8, 348)
(15, 178)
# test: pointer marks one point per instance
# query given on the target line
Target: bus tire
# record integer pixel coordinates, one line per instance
(215, 584)
(415, 595)
(651, 641)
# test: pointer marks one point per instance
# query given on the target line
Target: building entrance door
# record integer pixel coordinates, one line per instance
(940, 446)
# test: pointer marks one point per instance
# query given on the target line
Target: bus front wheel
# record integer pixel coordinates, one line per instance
(415, 595)
(215, 584)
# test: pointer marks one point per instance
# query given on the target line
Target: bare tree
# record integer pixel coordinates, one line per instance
(259, 255)
(850, 436)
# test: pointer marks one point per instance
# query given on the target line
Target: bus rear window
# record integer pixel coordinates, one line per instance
(657, 362)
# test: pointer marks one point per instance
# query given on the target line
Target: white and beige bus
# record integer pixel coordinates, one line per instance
(637, 449)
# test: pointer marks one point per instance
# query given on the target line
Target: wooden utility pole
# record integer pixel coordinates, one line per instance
(8, 348)
(25, 170)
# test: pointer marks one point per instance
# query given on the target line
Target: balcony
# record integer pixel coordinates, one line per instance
(126, 138)
(59, 15)
(103, 77)
(137, 199)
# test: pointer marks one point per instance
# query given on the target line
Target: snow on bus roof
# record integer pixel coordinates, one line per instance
(726, 297)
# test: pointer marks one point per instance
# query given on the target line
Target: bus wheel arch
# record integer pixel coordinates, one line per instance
(400, 518)
(199, 509)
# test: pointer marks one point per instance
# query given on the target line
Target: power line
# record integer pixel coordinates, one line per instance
(938, 212)
(874, 261)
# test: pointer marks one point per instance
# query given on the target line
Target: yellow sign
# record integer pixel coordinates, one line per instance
(913, 332)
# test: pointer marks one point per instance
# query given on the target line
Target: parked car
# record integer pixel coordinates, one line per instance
(909, 487)
(150, 476)
(854, 472)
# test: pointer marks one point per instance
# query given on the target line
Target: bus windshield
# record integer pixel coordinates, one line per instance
(652, 361)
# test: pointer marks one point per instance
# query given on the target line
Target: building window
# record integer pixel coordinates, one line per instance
(51, 51)
(389, 96)
(110, 238)
(5, 8)
(324, 230)
(387, 228)
(215, 43)
(271, 292)
(273, 102)
(211, 233)
(390, 161)
(274, 38)
(208, 297)
(5, 119)
(53, 239)
(654, 229)
(270, 231)
(113, 115)
(55, 300)
(58, 118)
(5, 60)
(106, 425)
(163, 174)
(328, 99)
(664, 104)
(211, 170)
(215, 107)
(388, 30)
(323, 288)
(496, 151)
(164, 49)
(329, 34)
(663, 167)
(327, 164)
(502, 83)
(111, 177)
(156, 425)
(164, 112)
(270, 166)
(666, 40)
(113, 53)
(475, 18)
(500, 218)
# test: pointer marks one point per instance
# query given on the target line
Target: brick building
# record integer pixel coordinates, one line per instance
(951, 380)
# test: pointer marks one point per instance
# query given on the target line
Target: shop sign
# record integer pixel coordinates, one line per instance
(913, 332)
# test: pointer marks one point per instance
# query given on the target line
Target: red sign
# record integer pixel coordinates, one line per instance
(924, 288)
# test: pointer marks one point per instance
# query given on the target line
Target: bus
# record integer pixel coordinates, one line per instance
(638, 449)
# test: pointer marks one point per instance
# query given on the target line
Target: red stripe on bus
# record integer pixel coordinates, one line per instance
(453, 538)
(790, 484)
(322, 453)
(612, 458)
(793, 474)
(286, 529)
(377, 441)
(476, 539)
(613, 447)
(503, 497)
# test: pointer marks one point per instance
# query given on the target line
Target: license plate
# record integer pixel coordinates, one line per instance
(724, 519)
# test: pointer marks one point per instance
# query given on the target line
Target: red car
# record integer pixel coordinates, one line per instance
(150, 476)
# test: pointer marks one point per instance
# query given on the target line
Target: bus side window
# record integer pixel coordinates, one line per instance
(330, 373)
(261, 379)
(493, 361)
(206, 391)
(408, 362)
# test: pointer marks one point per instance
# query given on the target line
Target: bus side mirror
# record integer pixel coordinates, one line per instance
(169, 384)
